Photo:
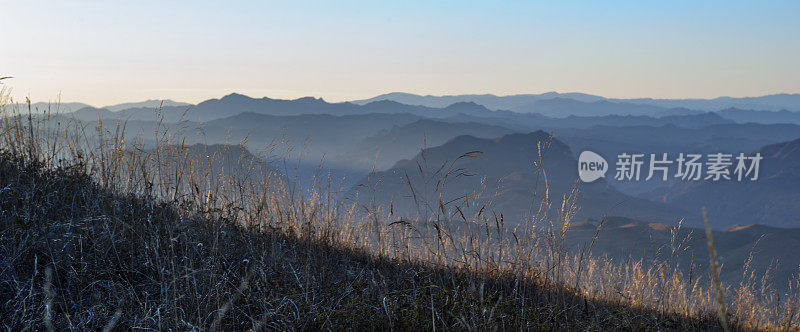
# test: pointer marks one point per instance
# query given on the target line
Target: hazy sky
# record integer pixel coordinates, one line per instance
(105, 52)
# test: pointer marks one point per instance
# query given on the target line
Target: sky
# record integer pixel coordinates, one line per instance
(108, 52)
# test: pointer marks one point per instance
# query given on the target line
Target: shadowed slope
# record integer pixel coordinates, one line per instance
(76, 255)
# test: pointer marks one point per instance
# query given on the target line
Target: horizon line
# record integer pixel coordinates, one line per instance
(59, 101)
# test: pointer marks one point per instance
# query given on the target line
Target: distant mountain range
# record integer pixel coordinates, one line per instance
(235, 104)
(535, 120)
(325, 134)
(766, 117)
(350, 138)
(41, 107)
(545, 103)
(152, 103)
(52, 107)
(336, 130)
(546, 110)
(490, 101)
(563, 107)
(774, 102)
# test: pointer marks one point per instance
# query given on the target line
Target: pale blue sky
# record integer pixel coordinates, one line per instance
(105, 52)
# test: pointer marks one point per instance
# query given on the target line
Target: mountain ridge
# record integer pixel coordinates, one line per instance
(774, 102)
(504, 166)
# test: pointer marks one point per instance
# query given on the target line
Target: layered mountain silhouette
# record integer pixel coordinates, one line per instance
(773, 199)
(90, 113)
(500, 176)
(545, 111)
(150, 103)
(773, 102)
(490, 101)
(167, 114)
(51, 107)
(779, 108)
(385, 148)
(536, 120)
(235, 104)
(766, 117)
(562, 107)
(352, 137)
(323, 133)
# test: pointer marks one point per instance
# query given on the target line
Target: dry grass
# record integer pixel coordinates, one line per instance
(97, 232)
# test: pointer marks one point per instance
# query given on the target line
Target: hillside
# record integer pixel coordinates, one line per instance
(76, 254)
(745, 252)
(220, 162)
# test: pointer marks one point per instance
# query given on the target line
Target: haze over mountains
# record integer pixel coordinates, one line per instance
(152, 103)
(385, 148)
(405, 154)
(348, 139)
(72, 107)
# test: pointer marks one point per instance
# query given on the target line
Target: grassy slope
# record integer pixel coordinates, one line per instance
(75, 255)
